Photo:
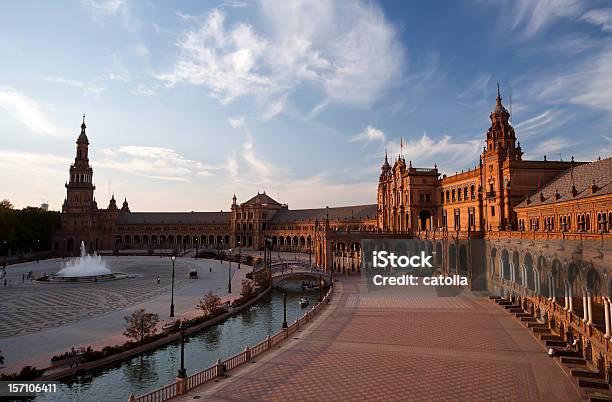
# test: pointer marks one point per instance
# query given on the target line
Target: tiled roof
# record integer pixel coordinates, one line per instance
(581, 177)
(192, 218)
(353, 212)
(261, 199)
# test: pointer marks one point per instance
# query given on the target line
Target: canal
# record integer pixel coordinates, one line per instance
(154, 369)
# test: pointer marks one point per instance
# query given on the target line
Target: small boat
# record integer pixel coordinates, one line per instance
(303, 302)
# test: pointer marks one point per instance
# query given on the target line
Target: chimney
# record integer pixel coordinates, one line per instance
(594, 187)
(557, 195)
(574, 191)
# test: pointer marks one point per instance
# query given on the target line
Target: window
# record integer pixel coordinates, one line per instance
(492, 211)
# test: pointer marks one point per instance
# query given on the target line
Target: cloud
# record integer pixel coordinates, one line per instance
(236, 122)
(476, 92)
(587, 82)
(27, 111)
(533, 16)
(447, 154)
(539, 125)
(262, 168)
(346, 50)
(600, 17)
(368, 135)
(274, 108)
(106, 6)
(92, 89)
(224, 61)
(153, 162)
(550, 147)
(143, 90)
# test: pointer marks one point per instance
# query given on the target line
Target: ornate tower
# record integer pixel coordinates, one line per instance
(382, 196)
(80, 188)
(79, 211)
(502, 151)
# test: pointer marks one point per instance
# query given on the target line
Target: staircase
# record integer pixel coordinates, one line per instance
(590, 381)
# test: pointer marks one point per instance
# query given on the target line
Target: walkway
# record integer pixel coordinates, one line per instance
(391, 345)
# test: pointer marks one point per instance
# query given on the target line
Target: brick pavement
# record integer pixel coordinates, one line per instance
(381, 346)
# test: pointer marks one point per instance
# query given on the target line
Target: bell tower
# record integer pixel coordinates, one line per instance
(500, 153)
(80, 187)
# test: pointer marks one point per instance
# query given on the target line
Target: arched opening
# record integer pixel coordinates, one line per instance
(516, 271)
(438, 254)
(425, 220)
(505, 263)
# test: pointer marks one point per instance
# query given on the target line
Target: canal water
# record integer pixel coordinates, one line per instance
(157, 368)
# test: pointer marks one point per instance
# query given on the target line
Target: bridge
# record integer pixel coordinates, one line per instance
(286, 270)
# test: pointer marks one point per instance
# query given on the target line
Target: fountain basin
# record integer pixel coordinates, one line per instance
(80, 279)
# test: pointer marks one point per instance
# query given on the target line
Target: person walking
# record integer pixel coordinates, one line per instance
(1, 359)
(158, 280)
(210, 269)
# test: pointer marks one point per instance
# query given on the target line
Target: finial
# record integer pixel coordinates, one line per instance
(498, 95)
(83, 118)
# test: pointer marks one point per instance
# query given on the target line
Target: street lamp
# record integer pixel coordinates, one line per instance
(285, 311)
(197, 243)
(239, 255)
(182, 373)
(37, 250)
(229, 273)
(173, 258)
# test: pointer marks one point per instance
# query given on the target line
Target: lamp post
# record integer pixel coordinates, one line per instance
(173, 258)
(197, 243)
(37, 250)
(5, 253)
(229, 273)
(285, 310)
(182, 373)
(310, 253)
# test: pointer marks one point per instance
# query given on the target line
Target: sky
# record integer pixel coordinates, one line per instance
(189, 102)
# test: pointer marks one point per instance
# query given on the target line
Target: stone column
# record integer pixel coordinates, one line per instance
(590, 309)
(585, 312)
(566, 297)
(571, 298)
(554, 289)
(606, 302)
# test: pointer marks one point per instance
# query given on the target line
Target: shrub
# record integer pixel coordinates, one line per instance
(210, 304)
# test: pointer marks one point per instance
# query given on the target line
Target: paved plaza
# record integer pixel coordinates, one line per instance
(39, 320)
(385, 345)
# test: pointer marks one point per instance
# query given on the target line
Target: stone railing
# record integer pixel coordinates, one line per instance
(183, 385)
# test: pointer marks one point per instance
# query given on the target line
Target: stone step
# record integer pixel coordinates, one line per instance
(510, 306)
(578, 361)
(495, 298)
(547, 337)
(516, 311)
(593, 383)
(581, 372)
(504, 302)
(553, 343)
(541, 330)
(566, 353)
(598, 396)
(524, 315)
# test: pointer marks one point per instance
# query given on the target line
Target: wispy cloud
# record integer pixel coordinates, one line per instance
(236, 122)
(27, 111)
(529, 17)
(601, 17)
(368, 135)
(143, 90)
(153, 162)
(551, 147)
(106, 6)
(541, 124)
(353, 60)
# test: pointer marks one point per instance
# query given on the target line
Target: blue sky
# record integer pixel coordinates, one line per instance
(188, 102)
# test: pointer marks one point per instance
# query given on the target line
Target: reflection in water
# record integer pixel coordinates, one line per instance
(141, 375)
(211, 338)
(140, 370)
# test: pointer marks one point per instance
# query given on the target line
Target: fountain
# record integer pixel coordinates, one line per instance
(86, 268)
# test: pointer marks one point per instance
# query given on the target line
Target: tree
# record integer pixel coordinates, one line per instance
(210, 303)
(6, 204)
(140, 324)
(248, 288)
(262, 278)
